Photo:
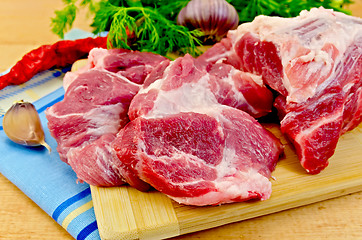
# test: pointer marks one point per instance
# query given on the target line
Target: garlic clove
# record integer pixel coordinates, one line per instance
(22, 125)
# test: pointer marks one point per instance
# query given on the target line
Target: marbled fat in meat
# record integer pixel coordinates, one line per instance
(189, 83)
(93, 111)
(185, 141)
(314, 62)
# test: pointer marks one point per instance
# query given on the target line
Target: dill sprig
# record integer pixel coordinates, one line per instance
(153, 27)
(248, 10)
(64, 19)
(150, 25)
(152, 31)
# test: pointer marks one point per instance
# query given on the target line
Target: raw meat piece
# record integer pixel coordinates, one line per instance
(315, 125)
(241, 90)
(91, 162)
(133, 65)
(199, 159)
(188, 84)
(186, 144)
(314, 62)
(93, 110)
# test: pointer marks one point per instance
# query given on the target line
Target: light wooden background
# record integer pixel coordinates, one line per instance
(24, 25)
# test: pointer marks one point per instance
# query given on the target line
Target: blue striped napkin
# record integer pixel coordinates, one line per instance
(41, 175)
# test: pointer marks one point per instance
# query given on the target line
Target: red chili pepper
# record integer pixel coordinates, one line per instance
(59, 54)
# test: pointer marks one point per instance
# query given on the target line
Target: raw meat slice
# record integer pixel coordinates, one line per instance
(93, 110)
(314, 62)
(188, 84)
(315, 125)
(186, 144)
(200, 159)
(133, 65)
(91, 162)
(241, 90)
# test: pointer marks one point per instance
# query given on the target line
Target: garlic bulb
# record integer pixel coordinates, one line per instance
(22, 125)
(213, 17)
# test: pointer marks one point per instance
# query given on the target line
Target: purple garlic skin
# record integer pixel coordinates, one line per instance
(213, 17)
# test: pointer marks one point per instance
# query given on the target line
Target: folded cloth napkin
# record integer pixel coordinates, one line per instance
(41, 175)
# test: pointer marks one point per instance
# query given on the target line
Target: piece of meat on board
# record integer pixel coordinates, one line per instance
(133, 65)
(94, 109)
(200, 159)
(314, 62)
(185, 143)
(188, 84)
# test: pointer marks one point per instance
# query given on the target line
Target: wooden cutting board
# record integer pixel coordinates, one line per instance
(125, 213)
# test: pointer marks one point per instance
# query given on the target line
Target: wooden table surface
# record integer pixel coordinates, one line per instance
(25, 25)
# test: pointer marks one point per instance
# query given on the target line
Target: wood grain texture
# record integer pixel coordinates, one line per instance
(292, 187)
(126, 213)
(24, 25)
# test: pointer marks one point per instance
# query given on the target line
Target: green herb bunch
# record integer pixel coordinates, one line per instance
(248, 10)
(139, 25)
(150, 25)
